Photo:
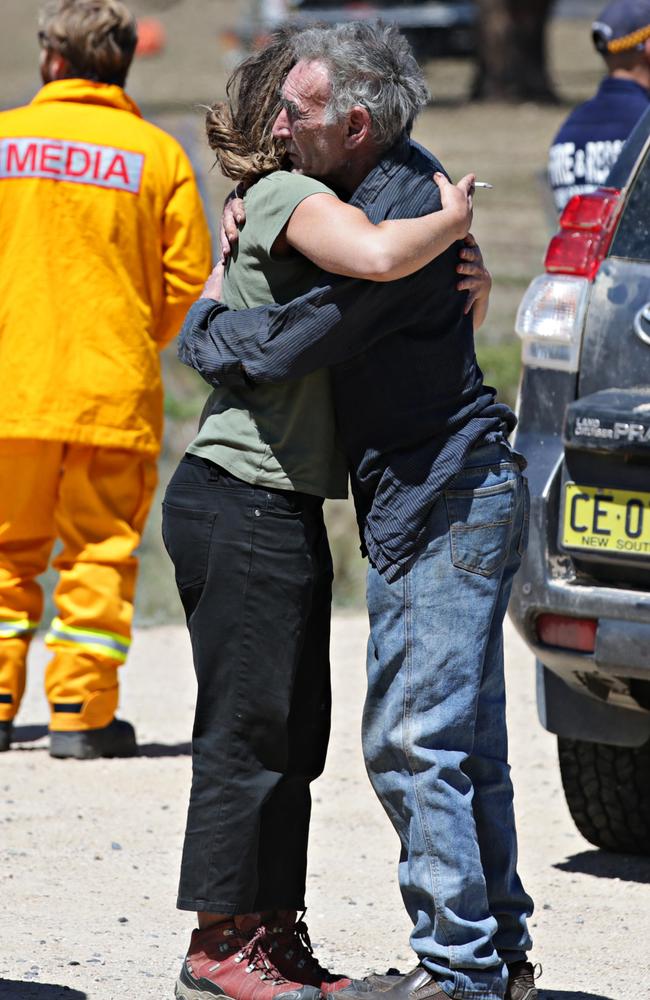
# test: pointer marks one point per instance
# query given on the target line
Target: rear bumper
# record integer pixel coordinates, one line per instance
(546, 583)
(581, 695)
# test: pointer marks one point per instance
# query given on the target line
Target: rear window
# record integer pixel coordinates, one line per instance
(632, 239)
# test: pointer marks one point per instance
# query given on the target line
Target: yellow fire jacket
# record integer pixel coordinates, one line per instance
(103, 248)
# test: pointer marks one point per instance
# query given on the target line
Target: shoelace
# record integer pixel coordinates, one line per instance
(258, 959)
(527, 974)
(534, 972)
(299, 930)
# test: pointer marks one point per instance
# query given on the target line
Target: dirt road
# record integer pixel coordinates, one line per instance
(90, 851)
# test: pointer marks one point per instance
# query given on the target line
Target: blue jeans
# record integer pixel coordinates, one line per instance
(434, 728)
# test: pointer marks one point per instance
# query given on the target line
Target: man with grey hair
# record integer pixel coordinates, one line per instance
(441, 503)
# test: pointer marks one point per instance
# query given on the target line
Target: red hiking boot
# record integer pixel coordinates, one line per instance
(290, 948)
(226, 962)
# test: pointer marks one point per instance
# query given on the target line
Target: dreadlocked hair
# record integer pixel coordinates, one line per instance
(239, 130)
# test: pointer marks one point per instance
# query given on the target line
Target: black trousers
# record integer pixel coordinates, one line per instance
(254, 573)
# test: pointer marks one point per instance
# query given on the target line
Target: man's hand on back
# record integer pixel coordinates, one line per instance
(477, 280)
(232, 219)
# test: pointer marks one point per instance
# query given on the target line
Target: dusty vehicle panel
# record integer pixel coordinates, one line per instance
(582, 597)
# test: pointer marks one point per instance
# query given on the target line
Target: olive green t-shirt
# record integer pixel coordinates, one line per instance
(281, 436)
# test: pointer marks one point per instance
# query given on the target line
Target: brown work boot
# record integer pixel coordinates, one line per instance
(382, 981)
(292, 954)
(521, 981)
(228, 962)
(419, 984)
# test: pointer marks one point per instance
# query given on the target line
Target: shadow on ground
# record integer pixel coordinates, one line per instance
(603, 864)
(571, 995)
(28, 734)
(32, 734)
(164, 749)
(11, 989)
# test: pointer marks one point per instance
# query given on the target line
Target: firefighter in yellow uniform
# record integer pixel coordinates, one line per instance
(104, 247)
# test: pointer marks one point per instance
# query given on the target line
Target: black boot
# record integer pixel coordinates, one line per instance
(117, 739)
(5, 735)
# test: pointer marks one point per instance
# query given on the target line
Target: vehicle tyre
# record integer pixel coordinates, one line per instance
(608, 793)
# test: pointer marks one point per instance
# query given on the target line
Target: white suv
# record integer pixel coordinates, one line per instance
(434, 27)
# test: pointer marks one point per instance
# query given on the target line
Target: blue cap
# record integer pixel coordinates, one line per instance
(622, 26)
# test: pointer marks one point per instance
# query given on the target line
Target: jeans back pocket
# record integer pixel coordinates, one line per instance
(480, 524)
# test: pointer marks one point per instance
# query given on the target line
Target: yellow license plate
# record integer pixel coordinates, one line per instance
(597, 519)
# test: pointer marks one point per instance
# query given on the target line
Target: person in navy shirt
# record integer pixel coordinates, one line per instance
(590, 140)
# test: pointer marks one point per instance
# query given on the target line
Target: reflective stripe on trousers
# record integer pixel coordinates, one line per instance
(17, 628)
(91, 640)
(95, 501)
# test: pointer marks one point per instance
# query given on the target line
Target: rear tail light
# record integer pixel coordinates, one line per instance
(567, 633)
(594, 211)
(550, 319)
(551, 315)
(586, 229)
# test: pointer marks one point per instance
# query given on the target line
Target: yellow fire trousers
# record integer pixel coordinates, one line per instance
(95, 500)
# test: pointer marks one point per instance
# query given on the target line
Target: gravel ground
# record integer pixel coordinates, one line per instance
(90, 851)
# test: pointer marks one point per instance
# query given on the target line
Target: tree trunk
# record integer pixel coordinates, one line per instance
(511, 52)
